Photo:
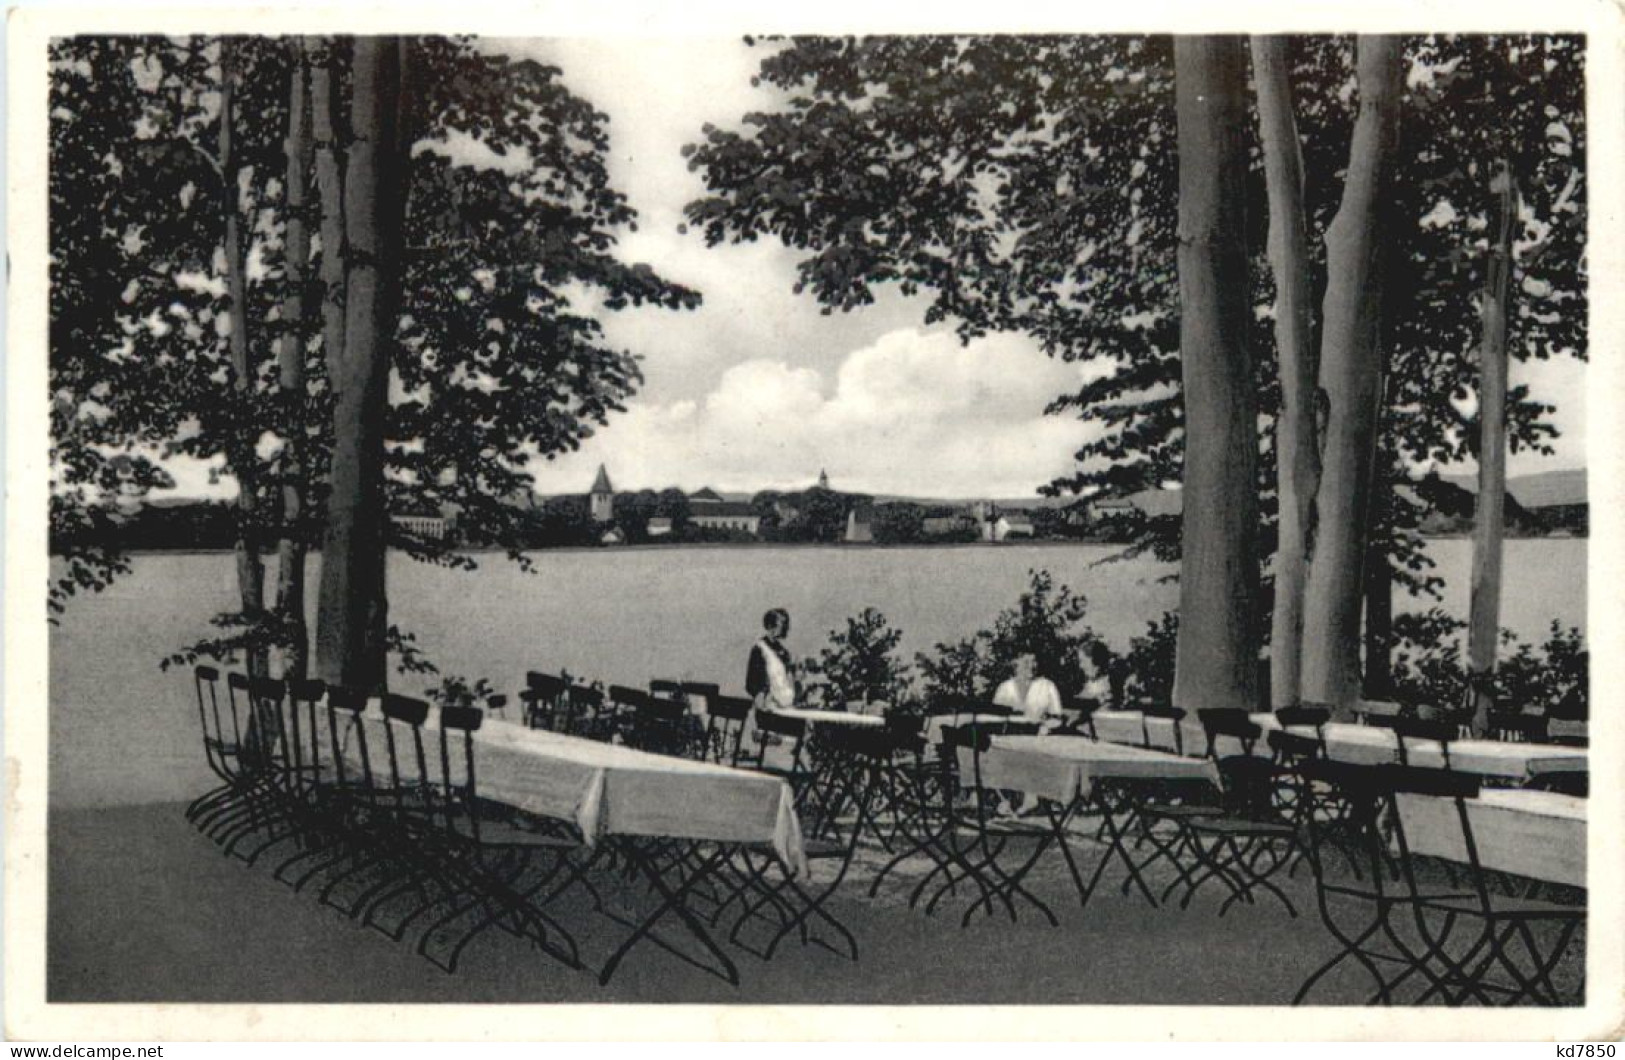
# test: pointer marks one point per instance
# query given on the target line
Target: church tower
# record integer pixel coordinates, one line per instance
(823, 479)
(602, 497)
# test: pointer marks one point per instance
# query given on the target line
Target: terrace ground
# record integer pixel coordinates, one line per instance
(145, 909)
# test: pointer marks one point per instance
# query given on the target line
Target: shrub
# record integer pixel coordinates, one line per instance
(456, 691)
(1047, 622)
(861, 661)
(1148, 666)
(1428, 667)
(1551, 678)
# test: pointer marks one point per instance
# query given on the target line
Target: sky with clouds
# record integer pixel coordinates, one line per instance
(758, 388)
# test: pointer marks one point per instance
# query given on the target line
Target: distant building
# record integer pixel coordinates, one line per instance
(1017, 525)
(705, 495)
(659, 526)
(860, 524)
(724, 515)
(613, 536)
(938, 525)
(425, 526)
(823, 479)
(1109, 507)
(602, 497)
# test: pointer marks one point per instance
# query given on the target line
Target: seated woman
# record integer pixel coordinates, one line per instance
(1036, 698)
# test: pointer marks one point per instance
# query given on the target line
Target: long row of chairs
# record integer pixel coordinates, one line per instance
(391, 829)
(384, 824)
(1421, 929)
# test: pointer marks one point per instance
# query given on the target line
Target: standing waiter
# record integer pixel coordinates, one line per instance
(768, 677)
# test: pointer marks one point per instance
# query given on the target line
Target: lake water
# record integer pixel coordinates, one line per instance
(123, 731)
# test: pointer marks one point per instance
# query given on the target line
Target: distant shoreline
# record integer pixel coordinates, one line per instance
(835, 545)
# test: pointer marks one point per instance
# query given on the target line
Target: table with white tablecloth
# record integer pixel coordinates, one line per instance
(816, 718)
(1355, 744)
(617, 793)
(1540, 835)
(1076, 774)
(1374, 745)
(607, 789)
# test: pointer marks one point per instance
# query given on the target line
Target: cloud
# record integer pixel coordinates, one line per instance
(912, 413)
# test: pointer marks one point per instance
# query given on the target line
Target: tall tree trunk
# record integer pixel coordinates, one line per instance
(1351, 380)
(241, 451)
(1379, 595)
(1216, 660)
(353, 607)
(1488, 516)
(290, 595)
(330, 187)
(1298, 459)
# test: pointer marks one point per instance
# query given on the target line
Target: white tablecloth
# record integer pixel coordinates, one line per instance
(1537, 834)
(612, 790)
(1373, 745)
(833, 717)
(1060, 767)
(1131, 727)
(1357, 744)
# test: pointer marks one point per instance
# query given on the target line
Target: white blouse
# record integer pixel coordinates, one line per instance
(1043, 699)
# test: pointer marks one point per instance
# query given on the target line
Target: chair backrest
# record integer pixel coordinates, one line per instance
(1303, 714)
(1344, 807)
(344, 709)
(974, 737)
(725, 727)
(403, 738)
(1440, 783)
(303, 729)
(731, 708)
(222, 732)
(664, 689)
(453, 781)
(661, 725)
(546, 684)
(1291, 749)
(581, 702)
(779, 725)
(625, 696)
(1228, 721)
(497, 703)
(699, 695)
(668, 711)
(1408, 729)
(792, 729)
(265, 738)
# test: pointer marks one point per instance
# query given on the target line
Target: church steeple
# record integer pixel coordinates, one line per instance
(602, 497)
(823, 479)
